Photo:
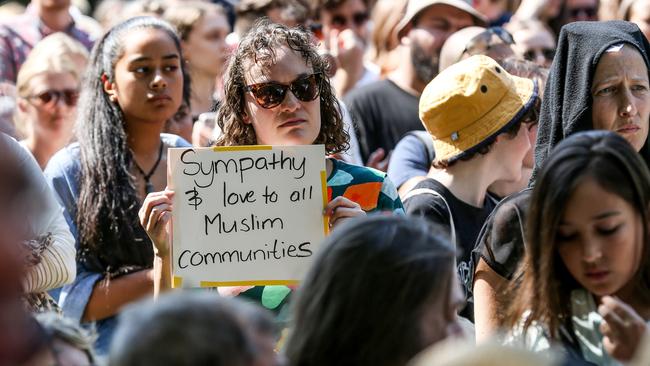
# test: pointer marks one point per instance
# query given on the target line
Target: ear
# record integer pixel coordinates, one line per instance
(404, 39)
(21, 103)
(186, 57)
(245, 117)
(109, 88)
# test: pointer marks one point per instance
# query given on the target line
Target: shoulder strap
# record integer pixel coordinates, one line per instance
(419, 191)
(492, 199)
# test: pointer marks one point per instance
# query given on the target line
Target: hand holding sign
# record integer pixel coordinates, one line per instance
(155, 217)
(341, 208)
(155, 214)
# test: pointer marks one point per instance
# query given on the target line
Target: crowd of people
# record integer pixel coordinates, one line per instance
(487, 172)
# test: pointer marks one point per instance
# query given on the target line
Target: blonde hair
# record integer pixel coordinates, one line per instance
(461, 353)
(10, 9)
(59, 45)
(53, 54)
(185, 15)
(385, 16)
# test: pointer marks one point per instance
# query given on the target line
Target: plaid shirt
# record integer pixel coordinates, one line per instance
(18, 36)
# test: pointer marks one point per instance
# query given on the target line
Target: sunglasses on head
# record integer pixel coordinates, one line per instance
(52, 97)
(270, 94)
(357, 18)
(483, 41)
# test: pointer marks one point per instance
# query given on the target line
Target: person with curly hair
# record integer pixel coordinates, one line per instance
(277, 94)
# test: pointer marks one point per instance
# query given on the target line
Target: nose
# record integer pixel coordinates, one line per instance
(592, 251)
(540, 59)
(60, 102)
(627, 107)
(290, 102)
(158, 81)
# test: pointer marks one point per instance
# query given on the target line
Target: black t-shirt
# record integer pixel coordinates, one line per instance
(382, 113)
(468, 219)
(501, 243)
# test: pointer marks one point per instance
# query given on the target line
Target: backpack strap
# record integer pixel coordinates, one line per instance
(419, 191)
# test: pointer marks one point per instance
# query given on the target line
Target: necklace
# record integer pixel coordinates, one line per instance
(148, 188)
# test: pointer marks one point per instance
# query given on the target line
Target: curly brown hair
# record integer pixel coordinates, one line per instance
(259, 46)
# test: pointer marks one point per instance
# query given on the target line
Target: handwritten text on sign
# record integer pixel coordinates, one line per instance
(246, 215)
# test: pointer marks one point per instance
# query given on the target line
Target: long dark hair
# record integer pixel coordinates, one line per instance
(374, 278)
(259, 46)
(546, 284)
(109, 236)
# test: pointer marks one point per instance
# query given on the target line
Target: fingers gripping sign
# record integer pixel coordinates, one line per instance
(155, 215)
(341, 209)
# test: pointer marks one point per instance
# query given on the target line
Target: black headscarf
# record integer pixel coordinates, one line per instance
(567, 103)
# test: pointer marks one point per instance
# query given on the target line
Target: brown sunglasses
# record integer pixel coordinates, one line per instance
(270, 94)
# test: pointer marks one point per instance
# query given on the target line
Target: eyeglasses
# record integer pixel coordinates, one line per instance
(482, 42)
(358, 19)
(52, 97)
(548, 53)
(271, 94)
(587, 11)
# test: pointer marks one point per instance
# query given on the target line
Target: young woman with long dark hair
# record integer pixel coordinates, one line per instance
(585, 279)
(133, 85)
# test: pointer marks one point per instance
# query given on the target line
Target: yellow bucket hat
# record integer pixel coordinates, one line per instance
(470, 102)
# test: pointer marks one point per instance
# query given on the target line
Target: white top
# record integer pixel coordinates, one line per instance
(57, 266)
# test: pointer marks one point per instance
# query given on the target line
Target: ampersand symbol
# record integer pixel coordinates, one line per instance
(194, 200)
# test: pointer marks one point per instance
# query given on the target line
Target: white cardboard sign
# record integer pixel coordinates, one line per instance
(246, 215)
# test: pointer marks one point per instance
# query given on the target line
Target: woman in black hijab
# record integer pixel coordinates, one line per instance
(598, 80)
(581, 69)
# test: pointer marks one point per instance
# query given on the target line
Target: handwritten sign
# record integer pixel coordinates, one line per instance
(246, 215)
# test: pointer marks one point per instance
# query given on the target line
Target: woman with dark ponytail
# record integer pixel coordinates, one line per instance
(130, 90)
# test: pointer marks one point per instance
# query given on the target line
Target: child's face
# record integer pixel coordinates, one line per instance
(600, 239)
(148, 82)
(293, 121)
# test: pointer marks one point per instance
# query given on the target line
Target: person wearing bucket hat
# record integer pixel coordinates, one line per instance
(386, 110)
(474, 111)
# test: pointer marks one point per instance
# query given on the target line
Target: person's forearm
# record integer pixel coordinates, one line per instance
(110, 295)
(488, 298)
(162, 273)
(55, 269)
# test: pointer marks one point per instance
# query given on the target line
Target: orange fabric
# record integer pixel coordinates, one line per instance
(364, 194)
